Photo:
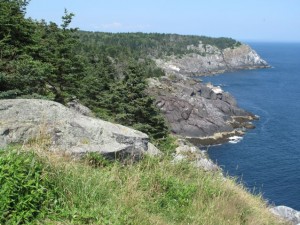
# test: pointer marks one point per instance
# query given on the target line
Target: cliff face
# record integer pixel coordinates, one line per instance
(202, 113)
(211, 60)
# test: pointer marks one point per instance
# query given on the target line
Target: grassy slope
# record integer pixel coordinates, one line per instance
(153, 191)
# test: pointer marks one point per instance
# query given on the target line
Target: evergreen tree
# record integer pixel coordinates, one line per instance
(66, 67)
(44, 60)
(37, 58)
(16, 35)
(133, 107)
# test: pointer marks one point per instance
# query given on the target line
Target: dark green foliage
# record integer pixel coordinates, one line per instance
(121, 97)
(16, 35)
(66, 67)
(25, 190)
(15, 31)
(142, 45)
(221, 42)
(44, 60)
(37, 58)
(167, 145)
(129, 104)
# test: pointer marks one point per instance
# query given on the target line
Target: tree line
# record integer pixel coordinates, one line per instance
(152, 44)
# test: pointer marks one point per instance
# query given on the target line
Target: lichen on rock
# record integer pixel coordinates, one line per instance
(68, 131)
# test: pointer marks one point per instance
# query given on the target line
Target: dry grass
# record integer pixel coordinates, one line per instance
(153, 191)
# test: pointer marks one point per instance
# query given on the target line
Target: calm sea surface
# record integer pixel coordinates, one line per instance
(267, 160)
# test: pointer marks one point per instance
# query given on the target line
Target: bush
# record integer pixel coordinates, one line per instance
(167, 145)
(25, 190)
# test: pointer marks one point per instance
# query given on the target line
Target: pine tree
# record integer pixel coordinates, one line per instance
(37, 58)
(133, 107)
(16, 34)
(66, 67)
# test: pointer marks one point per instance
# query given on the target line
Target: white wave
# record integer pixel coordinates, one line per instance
(235, 139)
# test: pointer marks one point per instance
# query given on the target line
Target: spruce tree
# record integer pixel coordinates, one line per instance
(36, 58)
(16, 35)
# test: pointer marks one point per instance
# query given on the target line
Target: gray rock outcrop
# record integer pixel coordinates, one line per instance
(77, 107)
(22, 120)
(208, 60)
(286, 213)
(187, 151)
(202, 113)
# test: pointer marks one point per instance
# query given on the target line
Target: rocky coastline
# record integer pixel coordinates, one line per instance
(204, 114)
(201, 113)
(210, 60)
(198, 114)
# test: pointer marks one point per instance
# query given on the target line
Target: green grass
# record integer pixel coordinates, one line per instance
(152, 191)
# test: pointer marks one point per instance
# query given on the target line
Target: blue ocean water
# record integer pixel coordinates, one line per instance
(267, 160)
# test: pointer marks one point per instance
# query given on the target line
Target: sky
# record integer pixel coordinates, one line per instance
(244, 20)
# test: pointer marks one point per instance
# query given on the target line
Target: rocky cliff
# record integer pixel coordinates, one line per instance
(67, 130)
(202, 113)
(208, 59)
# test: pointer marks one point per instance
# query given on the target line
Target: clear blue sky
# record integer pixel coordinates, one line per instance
(261, 20)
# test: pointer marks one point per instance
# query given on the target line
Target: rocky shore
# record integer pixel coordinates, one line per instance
(201, 113)
(211, 60)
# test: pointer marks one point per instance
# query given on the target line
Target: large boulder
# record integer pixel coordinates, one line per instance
(23, 120)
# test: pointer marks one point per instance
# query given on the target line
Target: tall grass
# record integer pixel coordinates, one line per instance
(152, 191)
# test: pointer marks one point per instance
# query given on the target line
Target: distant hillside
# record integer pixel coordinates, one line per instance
(173, 53)
(153, 44)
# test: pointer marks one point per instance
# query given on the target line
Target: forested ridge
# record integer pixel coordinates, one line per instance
(106, 72)
(151, 44)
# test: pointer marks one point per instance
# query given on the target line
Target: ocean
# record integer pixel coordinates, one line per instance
(267, 160)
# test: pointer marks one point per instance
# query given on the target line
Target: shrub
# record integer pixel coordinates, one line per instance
(24, 187)
(167, 145)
